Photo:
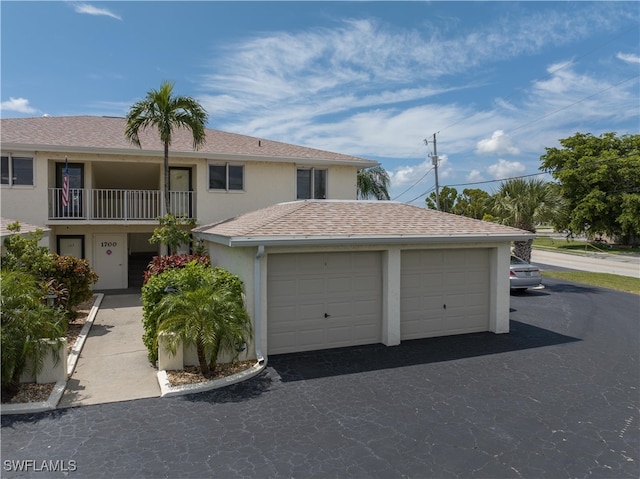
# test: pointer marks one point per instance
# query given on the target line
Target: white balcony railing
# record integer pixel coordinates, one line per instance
(122, 205)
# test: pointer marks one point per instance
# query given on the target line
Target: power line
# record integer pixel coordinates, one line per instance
(494, 181)
(574, 103)
(421, 178)
(581, 165)
(420, 196)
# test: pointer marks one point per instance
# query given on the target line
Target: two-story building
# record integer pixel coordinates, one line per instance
(115, 188)
(317, 274)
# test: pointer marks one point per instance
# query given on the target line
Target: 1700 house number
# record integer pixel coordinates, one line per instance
(109, 244)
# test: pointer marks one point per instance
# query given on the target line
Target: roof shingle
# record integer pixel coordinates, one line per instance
(323, 219)
(95, 132)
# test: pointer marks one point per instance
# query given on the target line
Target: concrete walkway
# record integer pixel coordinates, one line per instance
(624, 265)
(113, 364)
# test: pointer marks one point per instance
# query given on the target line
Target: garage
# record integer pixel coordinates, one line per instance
(323, 300)
(322, 274)
(444, 292)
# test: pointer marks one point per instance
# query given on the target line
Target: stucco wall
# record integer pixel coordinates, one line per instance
(242, 261)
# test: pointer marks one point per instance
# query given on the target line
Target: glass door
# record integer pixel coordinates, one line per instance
(74, 207)
(180, 192)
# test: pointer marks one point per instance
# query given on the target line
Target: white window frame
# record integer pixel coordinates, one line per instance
(313, 181)
(227, 177)
(25, 156)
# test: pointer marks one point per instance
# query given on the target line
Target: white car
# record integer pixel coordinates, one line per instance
(522, 275)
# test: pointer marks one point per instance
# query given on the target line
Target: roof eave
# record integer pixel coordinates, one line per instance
(364, 163)
(248, 241)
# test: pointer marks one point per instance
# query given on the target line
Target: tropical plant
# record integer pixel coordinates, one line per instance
(179, 279)
(75, 277)
(523, 203)
(373, 183)
(172, 233)
(213, 320)
(68, 277)
(25, 322)
(166, 112)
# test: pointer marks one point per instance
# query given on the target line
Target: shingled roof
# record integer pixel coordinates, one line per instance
(106, 135)
(24, 227)
(343, 222)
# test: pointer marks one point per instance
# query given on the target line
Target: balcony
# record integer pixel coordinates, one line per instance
(118, 205)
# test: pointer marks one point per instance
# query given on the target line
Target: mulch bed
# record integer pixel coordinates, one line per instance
(192, 375)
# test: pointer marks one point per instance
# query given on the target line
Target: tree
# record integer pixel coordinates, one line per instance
(166, 112)
(473, 203)
(373, 183)
(523, 203)
(448, 197)
(600, 179)
(214, 320)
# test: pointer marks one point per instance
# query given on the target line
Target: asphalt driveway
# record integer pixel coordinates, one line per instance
(557, 397)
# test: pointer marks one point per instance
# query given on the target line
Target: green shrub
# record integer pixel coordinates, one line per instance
(24, 254)
(190, 277)
(76, 276)
(161, 263)
(24, 321)
(60, 274)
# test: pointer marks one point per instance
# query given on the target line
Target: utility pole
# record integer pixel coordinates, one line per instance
(434, 162)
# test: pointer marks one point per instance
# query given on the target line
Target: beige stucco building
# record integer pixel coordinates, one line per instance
(320, 269)
(116, 188)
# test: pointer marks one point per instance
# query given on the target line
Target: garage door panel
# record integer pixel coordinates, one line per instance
(346, 286)
(431, 279)
(339, 285)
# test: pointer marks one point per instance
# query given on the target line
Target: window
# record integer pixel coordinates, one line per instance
(16, 170)
(226, 177)
(311, 184)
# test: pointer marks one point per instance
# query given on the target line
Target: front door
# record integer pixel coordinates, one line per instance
(180, 186)
(110, 260)
(74, 209)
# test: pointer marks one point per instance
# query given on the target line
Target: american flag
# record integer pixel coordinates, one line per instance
(65, 184)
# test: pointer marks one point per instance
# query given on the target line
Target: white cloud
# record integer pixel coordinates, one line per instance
(410, 174)
(343, 69)
(499, 143)
(506, 169)
(85, 8)
(628, 57)
(474, 175)
(20, 105)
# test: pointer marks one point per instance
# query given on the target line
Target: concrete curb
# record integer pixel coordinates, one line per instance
(74, 354)
(166, 390)
(60, 386)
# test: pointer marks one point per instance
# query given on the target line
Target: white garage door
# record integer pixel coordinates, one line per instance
(444, 292)
(323, 300)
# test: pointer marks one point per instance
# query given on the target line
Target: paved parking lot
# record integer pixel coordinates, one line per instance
(557, 397)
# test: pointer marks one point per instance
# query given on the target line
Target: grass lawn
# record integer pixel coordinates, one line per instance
(573, 246)
(602, 280)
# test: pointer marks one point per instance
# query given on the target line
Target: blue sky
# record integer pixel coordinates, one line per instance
(498, 81)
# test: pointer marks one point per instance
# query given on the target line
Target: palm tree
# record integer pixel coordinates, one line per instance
(373, 183)
(523, 204)
(164, 111)
(25, 322)
(214, 320)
